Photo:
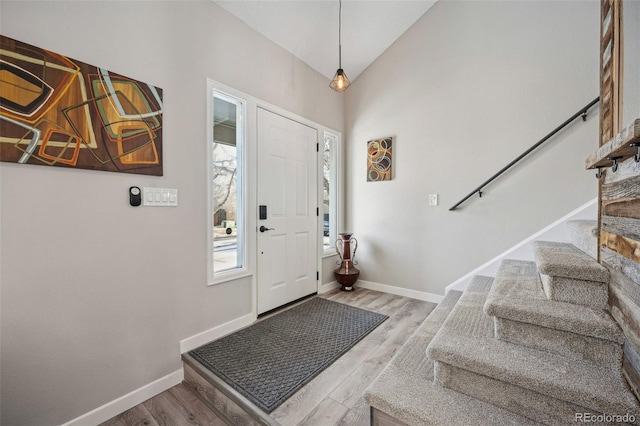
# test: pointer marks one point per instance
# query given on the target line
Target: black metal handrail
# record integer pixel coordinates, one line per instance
(582, 112)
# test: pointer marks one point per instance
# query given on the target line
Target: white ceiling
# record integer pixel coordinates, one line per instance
(309, 28)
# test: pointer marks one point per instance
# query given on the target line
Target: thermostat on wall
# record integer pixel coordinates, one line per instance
(135, 196)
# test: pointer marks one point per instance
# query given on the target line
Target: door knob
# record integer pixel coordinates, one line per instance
(264, 229)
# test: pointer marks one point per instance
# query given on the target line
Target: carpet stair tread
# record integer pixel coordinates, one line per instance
(466, 341)
(566, 260)
(570, 275)
(405, 388)
(517, 295)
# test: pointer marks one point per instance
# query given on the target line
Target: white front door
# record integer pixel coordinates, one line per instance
(287, 188)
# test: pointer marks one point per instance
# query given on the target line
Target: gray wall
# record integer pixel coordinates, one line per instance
(96, 295)
(468, 88)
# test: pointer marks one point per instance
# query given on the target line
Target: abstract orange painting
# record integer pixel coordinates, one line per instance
(57, 111)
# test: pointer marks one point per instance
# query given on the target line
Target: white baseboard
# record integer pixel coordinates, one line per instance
(214, 333)
(130, 400)
(328, 287)
(405, 292)
(553, 232)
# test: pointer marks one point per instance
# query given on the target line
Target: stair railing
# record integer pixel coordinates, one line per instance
(582, 112)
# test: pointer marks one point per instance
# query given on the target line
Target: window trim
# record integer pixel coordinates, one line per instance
(213, 277)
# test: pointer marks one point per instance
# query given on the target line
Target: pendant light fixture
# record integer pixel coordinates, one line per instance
(340, 81)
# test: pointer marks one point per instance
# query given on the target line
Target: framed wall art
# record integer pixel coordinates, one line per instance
(379, 159)
(57, 111)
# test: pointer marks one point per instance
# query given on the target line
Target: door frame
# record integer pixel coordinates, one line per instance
(251, 196)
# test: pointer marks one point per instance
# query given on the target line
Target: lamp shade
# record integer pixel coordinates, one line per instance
(340, 81)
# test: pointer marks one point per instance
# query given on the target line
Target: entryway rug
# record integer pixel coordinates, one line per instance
(270, 360)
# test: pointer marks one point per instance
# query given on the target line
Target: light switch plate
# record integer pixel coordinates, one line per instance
(433, 199)
(160, 197)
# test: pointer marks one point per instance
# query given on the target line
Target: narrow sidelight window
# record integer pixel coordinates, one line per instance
(330, 190)
(226, 185)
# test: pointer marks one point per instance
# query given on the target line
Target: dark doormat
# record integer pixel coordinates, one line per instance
(269, 361)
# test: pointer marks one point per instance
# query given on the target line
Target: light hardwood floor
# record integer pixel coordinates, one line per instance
(334, 397)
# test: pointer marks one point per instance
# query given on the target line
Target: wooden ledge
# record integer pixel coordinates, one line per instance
(616, 147)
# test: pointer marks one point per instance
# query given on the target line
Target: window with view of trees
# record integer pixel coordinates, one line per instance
(330, 190)
(226, 184)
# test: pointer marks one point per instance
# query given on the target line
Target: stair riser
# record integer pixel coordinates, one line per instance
(593, 294)
(571, 345)
(214, 398)
(518, 400)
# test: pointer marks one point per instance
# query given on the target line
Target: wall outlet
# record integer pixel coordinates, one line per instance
(433, 199)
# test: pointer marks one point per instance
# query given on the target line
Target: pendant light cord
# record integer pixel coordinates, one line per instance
(340, 36)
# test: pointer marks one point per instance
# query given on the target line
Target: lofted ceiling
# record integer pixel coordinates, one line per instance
(309, 28)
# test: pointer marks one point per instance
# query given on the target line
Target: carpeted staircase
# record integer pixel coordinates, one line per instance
(535, 344)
